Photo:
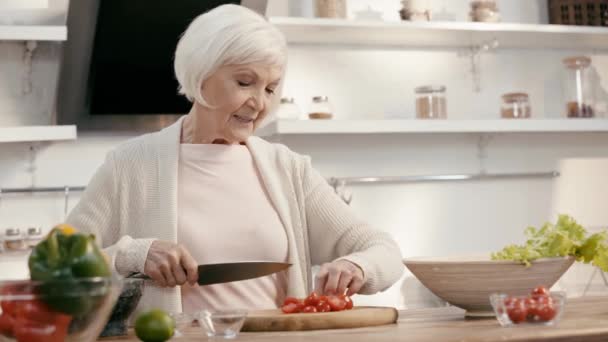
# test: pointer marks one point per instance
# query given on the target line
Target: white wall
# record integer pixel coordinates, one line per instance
(425, 219)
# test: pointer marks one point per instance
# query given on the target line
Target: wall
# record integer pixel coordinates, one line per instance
(425, 219)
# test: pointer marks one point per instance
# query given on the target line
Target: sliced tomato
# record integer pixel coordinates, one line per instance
(309, 309)
(323, 306)
(348, 301)
(294, 300)
(290, 308)
(336, 303)
(312, 299)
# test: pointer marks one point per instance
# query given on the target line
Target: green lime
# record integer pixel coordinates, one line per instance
(154, 326)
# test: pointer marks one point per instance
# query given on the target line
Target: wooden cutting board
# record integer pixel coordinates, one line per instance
(275, 320)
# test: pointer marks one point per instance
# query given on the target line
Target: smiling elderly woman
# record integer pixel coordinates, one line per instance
(205, 190)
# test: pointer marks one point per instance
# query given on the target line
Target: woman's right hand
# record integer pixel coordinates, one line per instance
(170, 264)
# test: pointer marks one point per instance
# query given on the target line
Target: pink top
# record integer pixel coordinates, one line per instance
(225, 215)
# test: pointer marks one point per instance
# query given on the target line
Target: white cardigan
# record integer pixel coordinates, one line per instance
(132, 201)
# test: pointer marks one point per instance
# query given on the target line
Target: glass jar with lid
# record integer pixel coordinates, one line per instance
(13, 240)
(288, 110)
(578, 87)
(515, 106)
(320, 108)
(431, 102)
(34, 236)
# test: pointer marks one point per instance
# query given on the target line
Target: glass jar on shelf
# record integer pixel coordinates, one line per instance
(515, 106)
(330, 8)
(320, 108)
(578, 87)
(288, 109)
(13, 240)
(431, 102)
(484, 11)
(34, 236)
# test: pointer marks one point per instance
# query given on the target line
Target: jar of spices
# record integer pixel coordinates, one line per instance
(515, 106)
(415, 10)
(431, 102)
(320, 108)
(34, 236)
(13, 240)
(484, 11)
(288, 110)
(578, 87)
(330, 8)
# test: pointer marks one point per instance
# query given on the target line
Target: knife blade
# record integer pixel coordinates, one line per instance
(232, 271)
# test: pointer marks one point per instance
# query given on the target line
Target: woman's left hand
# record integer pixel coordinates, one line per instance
(338, 276)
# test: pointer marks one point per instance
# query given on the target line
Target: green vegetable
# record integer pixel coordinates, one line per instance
(154, 326)
(61, 262)
(564, 238)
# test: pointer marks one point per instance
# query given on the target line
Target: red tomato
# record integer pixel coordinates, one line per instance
(517, 312)
(336, 303)
(312, 299)
(7, 323)
(309, 309)
(544, 300)
(293, 300)
(531, 305)
(539, 291)
(511, 301)
(348, 301)
(323, 306)
(546, 312)
(291, 308)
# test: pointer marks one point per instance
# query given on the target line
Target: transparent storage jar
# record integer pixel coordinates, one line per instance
(34, 236)
(13, 240)
(288, 109)
(578, 87)
(330, 8)
(320, 108)
(431, 102)
(515, 106)
(484, 11)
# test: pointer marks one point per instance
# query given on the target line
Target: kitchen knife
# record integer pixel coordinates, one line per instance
(233, 271)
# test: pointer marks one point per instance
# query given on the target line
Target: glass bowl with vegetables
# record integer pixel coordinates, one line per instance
(539, 307)
(70, 294)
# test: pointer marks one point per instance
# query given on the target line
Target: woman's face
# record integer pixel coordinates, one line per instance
(240, 96)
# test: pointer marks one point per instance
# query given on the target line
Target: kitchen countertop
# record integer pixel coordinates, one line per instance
(585, 319)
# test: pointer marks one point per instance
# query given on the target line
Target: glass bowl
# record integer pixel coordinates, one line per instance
(182, 321)
(59, 310)
(128, 300)
(226, 324)
(524, 310)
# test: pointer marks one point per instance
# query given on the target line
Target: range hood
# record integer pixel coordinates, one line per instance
(117, 67)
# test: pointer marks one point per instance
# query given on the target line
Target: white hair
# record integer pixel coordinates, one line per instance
(226, 35)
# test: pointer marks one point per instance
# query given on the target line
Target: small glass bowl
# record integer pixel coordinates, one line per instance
(226, 324)
(524, 310)
(182, 321)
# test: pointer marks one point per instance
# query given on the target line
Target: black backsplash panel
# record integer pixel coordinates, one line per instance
(132, 64)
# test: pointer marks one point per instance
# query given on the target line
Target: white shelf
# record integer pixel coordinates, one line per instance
(296, 127)
(439, 34)
(37, 133)
(33, 32)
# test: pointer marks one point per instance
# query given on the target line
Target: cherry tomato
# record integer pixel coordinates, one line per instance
(511, 301)
(539, 291)
(544, 300)
(336, 303)
(312, 299)
(291, 308)
(309, 309)
(348, 301)
(517, 312)
(531, 305)
(546, 312)
(323, 306)
(293, 300)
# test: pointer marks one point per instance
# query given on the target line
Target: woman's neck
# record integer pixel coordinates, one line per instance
(194, 132)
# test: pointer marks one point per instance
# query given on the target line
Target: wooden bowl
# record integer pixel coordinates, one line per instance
(468, 282)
